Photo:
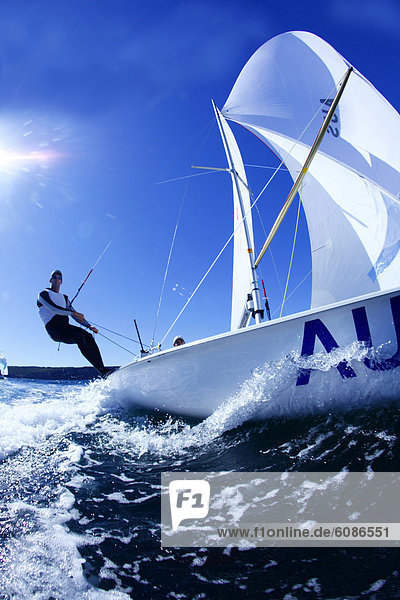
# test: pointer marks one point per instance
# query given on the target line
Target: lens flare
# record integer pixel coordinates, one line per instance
(11, 160)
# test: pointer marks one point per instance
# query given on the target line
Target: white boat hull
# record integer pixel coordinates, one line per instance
(313, 361)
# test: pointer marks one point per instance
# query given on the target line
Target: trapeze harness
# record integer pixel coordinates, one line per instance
(54, 310)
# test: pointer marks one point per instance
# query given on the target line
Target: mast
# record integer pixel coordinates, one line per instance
(305, 168)
(255, 302)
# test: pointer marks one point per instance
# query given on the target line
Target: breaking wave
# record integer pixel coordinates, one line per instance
(264, 395)
(31, 414)
(80, 474)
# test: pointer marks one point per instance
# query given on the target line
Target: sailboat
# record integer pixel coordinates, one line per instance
(3, 365)
(339, 139)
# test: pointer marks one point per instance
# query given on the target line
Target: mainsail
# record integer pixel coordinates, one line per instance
(350, 193)
(243, 228)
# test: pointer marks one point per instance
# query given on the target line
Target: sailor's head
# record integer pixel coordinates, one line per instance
(56, 276)
(178, 340)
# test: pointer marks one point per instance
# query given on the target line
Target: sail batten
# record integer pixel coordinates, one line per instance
(350, 192)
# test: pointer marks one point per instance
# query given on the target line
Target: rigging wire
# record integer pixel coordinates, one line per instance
(215, 260)
(295, 143)
(116, 343)
(199, 284)
(210, 127)
(264, 167)
(291, 258)
(172, 162)
(210, 172)
(293, 291)
(185, 177)
(218, 256)
(116, 333)
(281, 165)
(210, 123)
(167, 267)
(270, 251)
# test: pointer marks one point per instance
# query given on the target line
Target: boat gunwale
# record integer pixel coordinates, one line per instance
(250, 328)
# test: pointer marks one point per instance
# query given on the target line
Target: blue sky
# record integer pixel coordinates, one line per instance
(101, 101)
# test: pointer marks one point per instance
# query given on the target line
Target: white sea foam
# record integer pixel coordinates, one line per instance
(259, 397)
(46, 563)
(42, 560)
(45, 409)
(28, 415)
(173, 436)
(32, 412)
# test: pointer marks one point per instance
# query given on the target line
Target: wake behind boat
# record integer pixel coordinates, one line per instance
(338, 137)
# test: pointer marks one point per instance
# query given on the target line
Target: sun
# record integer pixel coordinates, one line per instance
(32, 145)
(12, 161)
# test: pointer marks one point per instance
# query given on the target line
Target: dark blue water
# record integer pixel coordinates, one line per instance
(80, 500)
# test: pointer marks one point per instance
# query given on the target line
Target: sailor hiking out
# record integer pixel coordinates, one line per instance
(55, 310)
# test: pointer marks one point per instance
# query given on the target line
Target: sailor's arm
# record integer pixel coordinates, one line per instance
(79, 318)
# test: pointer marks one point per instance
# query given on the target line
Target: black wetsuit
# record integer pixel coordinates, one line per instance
(59, 329)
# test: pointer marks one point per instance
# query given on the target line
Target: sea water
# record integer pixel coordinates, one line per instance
(80, 495)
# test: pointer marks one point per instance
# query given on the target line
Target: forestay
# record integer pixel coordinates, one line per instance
(350, 193)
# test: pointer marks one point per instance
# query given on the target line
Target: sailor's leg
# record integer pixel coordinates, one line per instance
(87, 346)
(69, 334)
(90, 350)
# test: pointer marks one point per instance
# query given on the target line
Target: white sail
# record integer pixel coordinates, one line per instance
(243, 227)
(350, 193)
(3, 364)
(332, 356)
